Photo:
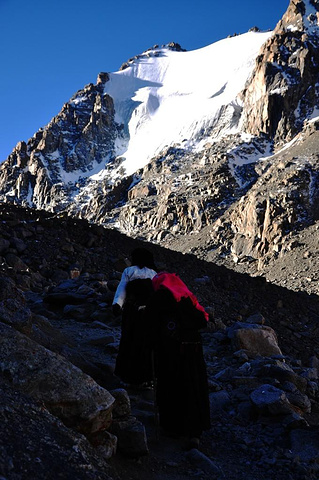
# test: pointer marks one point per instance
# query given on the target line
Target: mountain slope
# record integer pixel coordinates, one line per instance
(212, 151)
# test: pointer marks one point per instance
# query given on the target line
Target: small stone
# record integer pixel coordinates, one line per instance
(201, 461)
(219, 401)
(305, 444)
(256, 318)
(241, 355)
(131, 437)
(16, 263)
(105, 443)
(18, 244)
(101, 341)
(4, 245)
(294, 420)
(122, 405)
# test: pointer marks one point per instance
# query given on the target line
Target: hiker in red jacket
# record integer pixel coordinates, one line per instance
(182, 389)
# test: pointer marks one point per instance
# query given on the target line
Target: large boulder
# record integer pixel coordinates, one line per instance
(34, 444)
(64, 389)
(255, 339)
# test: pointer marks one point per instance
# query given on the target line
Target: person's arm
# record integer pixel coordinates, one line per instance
(116, 309)
(120, 293)
(193, 317)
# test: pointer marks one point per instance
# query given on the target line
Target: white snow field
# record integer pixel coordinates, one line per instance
(168, 97)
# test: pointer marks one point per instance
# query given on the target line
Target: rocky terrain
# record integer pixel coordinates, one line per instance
(273, 229)
(63, 412)
(236, 217)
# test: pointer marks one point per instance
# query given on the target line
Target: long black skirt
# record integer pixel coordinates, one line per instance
(182, 389)
(134, 361)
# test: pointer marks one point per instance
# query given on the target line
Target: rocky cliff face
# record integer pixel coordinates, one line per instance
(246, 197)
(283, 90)
(274, 225)
(48, 170)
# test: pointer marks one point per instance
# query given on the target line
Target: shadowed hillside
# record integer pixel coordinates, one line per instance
(58, 277)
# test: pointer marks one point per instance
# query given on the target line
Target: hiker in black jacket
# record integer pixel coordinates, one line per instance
(133, 363)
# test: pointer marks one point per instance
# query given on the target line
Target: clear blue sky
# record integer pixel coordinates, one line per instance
(51, 49)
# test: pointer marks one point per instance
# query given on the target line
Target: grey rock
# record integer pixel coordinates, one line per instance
(312, 389)
(310, 373)
(105, 443)
(61, 299)
(271, 399)
(86, 290)
(219, 401)
(13, 310)
(257, 318)
(241, 355)
(18, 244)
(79, 312)
(102, 340)
(131, 435)
(4, 245)
(225, 374)
(99, 325)
(69, 285)
(122, 405)
(245, 410)
(247, 381)
(283, 373)
(65, 390)
(200, 460)
(305, 444)
(59, 275)
(294, 421)
(16, 263)
(314, 362)
(36, 444)
(299, 400)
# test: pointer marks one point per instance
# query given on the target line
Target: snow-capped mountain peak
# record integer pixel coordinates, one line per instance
(175, 97)
(212, 151)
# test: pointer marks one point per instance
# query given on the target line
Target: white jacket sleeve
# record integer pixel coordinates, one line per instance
(130, 273)
(120, 293)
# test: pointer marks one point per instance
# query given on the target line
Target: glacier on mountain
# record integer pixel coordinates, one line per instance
(170, 97)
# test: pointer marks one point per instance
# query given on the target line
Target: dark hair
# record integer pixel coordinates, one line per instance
(141, 257)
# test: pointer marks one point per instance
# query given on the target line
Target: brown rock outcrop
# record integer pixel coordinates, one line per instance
(256, 340)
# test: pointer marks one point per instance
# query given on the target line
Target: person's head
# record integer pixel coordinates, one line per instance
(141, 257)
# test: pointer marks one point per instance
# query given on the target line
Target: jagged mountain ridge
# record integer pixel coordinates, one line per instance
(229, 186)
